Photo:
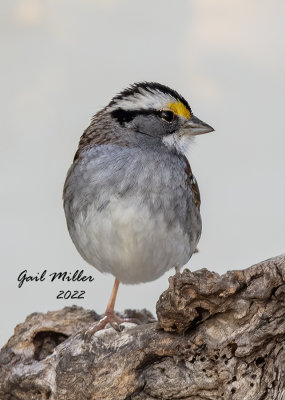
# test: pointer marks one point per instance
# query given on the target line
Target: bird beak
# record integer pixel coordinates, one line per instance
(195, 126)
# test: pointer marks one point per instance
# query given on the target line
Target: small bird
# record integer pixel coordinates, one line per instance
(131, 202)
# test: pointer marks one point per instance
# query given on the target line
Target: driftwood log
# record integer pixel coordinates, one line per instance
(217, 337)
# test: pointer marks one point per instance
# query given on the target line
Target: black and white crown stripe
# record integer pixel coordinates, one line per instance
(146, 96)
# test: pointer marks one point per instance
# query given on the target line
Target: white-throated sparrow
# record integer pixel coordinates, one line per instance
(131, 202)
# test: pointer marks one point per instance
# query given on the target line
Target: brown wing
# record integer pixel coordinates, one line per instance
(191, 181)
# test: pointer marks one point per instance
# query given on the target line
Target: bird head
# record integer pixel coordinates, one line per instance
(156, 110)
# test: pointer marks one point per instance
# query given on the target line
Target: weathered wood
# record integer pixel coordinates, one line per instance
(217, 337)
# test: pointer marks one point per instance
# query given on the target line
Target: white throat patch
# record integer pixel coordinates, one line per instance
(180, 142)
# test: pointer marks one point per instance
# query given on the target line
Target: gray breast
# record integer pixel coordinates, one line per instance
(131, 212)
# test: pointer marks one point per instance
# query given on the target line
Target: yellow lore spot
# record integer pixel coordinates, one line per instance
(179, 109)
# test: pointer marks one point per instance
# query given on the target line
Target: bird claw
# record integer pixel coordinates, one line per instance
(116, 326)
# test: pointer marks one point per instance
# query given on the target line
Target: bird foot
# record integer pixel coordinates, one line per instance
(109, 318)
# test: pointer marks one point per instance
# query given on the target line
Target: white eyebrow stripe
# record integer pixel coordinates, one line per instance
(144, 99)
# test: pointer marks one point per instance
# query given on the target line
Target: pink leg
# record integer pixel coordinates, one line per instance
(110, 316)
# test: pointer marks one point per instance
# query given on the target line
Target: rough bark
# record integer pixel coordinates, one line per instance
(217, 337)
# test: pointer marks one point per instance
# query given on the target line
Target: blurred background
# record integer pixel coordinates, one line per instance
(64, 60)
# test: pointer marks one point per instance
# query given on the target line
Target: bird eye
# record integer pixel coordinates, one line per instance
(167, 116)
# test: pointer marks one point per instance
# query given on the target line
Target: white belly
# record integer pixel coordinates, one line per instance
(124, 239)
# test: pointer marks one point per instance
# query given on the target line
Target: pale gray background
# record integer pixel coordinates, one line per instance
(64, 60)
